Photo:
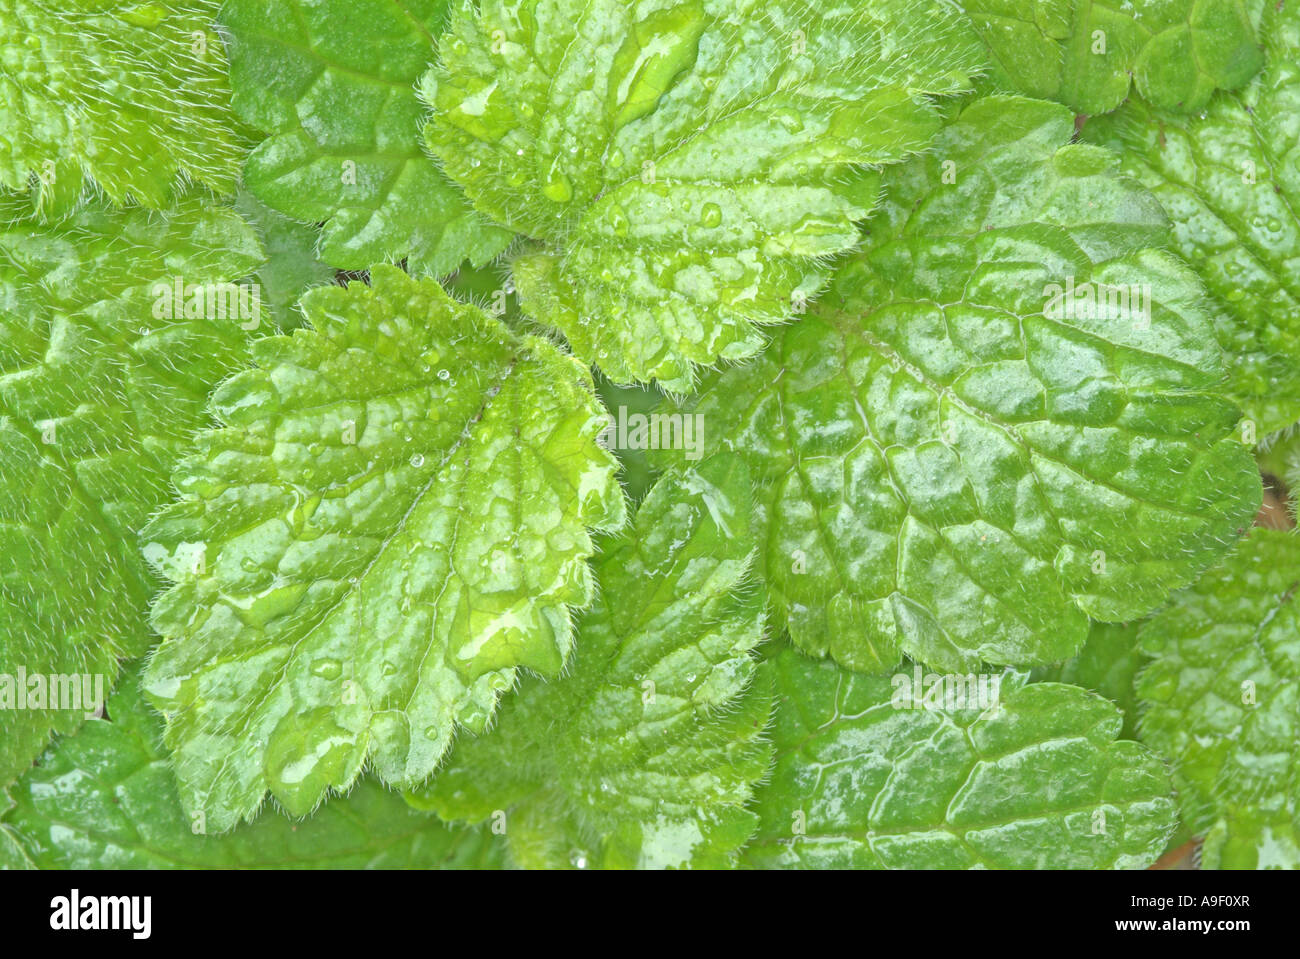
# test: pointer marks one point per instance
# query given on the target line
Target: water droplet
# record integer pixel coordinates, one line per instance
(557, 187)
(417, 460)
(327, 669)
(790, 121)
(710, 215)
(444, 375)
(615, 159)
(618, 220)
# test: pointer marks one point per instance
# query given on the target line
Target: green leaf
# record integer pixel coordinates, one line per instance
(291, 267)
(333, 84)
(1107, 664)
(687, 167)
(1035, 780)
(394, 516)
(124, 813)
(646, 752)
(949, 471)
(1221, 698)
(1087, 55)
(100, 392)
(1230, 181)
(133, 96)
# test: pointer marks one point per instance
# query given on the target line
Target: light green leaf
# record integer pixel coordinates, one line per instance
(102, 384)
(394, 516)
(333, 83)
(1029, 776)
(1087, 54)
(1107, 664)
(646, 752)
(1222, 701)
(133, 96)
(106, 799)
(956, 467)
(1230, 181)
(687, 167)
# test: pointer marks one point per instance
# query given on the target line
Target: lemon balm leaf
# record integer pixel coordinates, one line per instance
(151, 93)
(1088, 55)
(1229, 179)
(126, 814)
(646, 752)
(958, 463)
(103, 379)
(393, 517)
(1221, 699)
(1003, 776)
(687, 169)
(333, 86)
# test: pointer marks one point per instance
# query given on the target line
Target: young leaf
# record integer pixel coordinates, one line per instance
(103, 379)
(130, 95)
(124, 814)
(645, 754)
(1222, 700)
(394, 516)
(1231, 184)
(1034, 780)
(333, 83)
(958, 462)
(688, 167)
(1086, 54)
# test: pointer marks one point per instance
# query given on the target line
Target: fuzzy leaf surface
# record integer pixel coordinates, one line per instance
(130, 95)
(394, 515)
(333, 84)
(100, 391)
(646, 752)
(1087, 54)
(687, 167)
(954, 468)
(1221, 699)
(1036, 781)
